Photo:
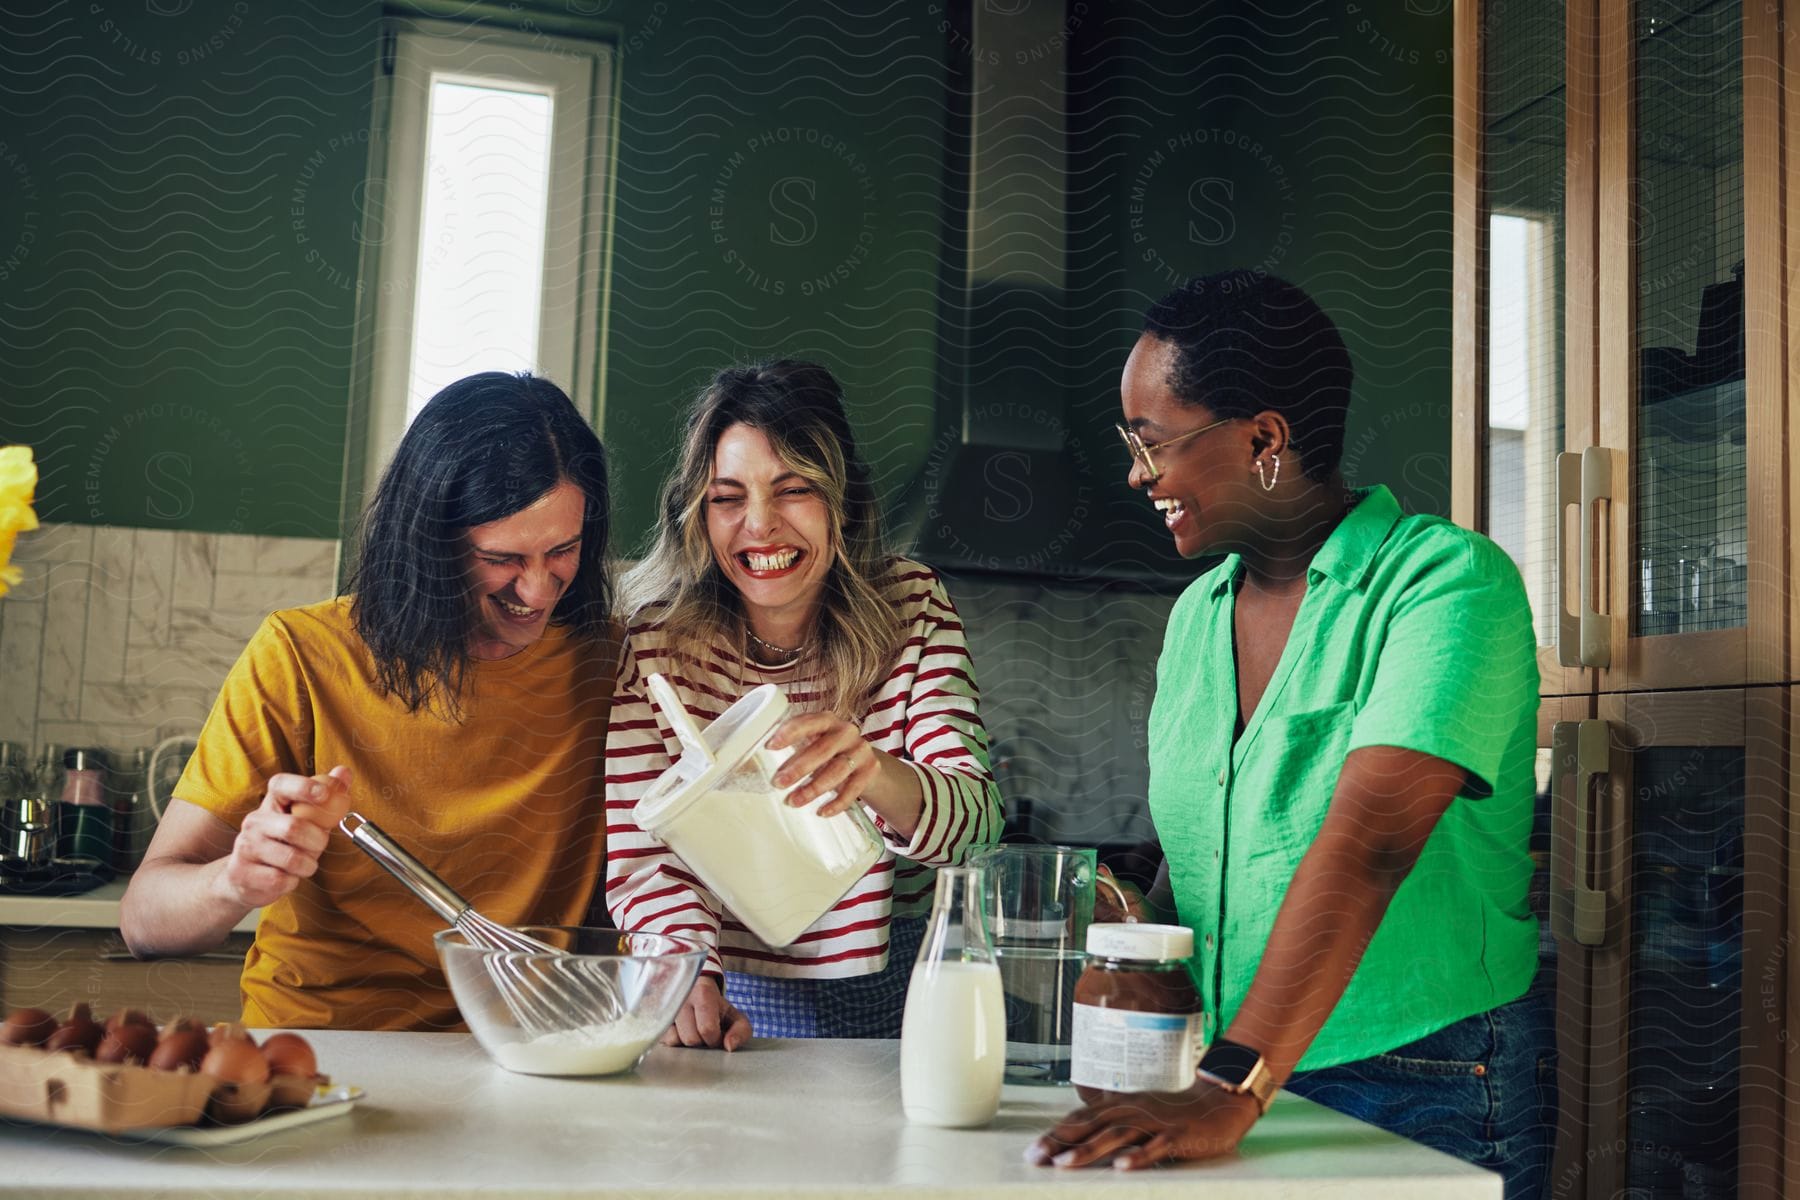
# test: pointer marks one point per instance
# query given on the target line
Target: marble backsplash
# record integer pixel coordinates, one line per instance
(1067, 672)
(120, 637)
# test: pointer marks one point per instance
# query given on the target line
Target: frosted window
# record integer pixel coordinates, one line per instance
(1513, 359)
(1524, 429)
(481, 249)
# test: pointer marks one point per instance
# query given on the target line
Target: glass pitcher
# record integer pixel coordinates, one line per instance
(1040, 900)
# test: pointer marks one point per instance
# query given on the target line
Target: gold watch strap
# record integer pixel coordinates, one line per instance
(1259, 1083)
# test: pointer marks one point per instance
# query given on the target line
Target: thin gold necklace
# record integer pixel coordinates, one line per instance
(786, 655)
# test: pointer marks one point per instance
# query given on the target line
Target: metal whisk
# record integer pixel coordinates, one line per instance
(544, 987)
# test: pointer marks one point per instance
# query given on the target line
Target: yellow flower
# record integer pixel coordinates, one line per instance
(18, 481)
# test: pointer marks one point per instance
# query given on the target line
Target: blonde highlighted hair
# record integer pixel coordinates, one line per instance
(799, 407)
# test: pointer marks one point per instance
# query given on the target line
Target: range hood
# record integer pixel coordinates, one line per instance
(994, 493)
(1015, 270)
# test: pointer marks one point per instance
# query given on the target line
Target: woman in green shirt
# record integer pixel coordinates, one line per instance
(1341, 764)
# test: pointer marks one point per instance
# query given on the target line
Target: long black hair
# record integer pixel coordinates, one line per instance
(480, 450)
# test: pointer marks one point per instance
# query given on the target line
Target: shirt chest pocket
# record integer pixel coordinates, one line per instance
(1293, 769)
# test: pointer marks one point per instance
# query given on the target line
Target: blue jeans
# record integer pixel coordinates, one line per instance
(1482, 1089)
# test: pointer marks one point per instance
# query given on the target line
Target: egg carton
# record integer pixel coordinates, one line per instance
(68, 1089)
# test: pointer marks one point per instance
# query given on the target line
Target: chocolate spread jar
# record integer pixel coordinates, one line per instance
(1137, 1025)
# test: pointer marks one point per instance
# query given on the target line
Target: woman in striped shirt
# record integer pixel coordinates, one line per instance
(770, 565)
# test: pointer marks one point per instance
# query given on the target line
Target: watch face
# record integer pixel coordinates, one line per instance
(1229, 1061)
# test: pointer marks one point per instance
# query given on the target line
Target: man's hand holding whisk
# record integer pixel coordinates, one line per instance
(279, 844)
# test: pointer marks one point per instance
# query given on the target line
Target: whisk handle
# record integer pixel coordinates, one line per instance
(440, 896)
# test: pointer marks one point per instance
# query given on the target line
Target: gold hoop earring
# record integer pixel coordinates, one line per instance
(1269, 482)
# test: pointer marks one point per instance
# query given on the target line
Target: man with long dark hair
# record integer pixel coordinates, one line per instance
(457, 695)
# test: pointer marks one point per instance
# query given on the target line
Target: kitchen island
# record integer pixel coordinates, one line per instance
(820, 1118)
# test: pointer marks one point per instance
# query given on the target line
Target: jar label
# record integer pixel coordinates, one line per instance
(1117, 1050)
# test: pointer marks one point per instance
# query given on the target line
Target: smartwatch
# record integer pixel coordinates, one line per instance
(1239, 1070)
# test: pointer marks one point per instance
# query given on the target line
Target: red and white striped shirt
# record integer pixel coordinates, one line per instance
(924, 714)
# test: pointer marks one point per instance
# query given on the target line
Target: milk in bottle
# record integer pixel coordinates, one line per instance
(953, 1033)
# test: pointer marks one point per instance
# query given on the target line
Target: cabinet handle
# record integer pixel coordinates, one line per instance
(1596, 484)
(1568, 495)
(1562, 859)
(114, 956)
(1579, 751)
(1593, 755)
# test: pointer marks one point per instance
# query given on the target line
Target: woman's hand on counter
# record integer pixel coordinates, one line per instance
(1144, 1130)
(708, 1019)
(279, 843)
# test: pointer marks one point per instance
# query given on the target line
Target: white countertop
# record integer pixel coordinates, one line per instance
(819, 1118)
(98, 909)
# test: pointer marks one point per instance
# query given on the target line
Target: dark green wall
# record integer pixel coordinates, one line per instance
(176, 258)
(779, 183)
(178, 298)
(1312, 140)
(179, 317)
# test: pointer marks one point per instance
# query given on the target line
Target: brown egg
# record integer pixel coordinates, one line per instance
(129, 1016)
(235, 1060)
(290, 1054)
(80, 1033)
(181, 1049)
(231, 1031)
(27, 1027)
(127, 1043)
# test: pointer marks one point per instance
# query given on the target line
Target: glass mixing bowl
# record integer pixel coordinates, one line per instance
(597, 1008)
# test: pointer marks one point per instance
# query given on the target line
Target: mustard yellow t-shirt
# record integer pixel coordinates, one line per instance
(507, 806)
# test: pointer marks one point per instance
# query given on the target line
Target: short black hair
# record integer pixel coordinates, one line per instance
(482, 449)
(1246, 342)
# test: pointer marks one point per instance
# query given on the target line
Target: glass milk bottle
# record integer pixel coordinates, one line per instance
(953, 1036)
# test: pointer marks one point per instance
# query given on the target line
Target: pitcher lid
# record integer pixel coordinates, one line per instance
(709, 755)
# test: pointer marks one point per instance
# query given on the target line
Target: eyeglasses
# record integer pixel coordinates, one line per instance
(1141, 450)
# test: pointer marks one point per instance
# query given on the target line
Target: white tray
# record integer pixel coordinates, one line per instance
(327, 1102)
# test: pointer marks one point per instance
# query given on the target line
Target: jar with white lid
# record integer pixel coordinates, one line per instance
(1138, 1022)
(777, 868)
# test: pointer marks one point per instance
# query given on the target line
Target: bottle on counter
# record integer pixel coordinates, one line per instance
(133, 822)
(953, 1033)
(84, 837)
(84, 776)
(1138, 1023)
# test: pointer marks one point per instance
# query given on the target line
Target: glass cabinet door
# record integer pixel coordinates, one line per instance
(1522, 217)
(1674, 979)
(1564, 958)
(1673, 264)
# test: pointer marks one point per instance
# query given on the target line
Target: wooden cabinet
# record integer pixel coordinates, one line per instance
(1524, 368)
(1670, 934)
(1623, 426)
(54, 968)
(1691, 396)
(1621, 410)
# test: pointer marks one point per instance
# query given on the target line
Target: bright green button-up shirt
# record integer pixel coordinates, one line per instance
(1413, 633)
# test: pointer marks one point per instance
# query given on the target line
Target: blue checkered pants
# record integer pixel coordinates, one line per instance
(868, 1006)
